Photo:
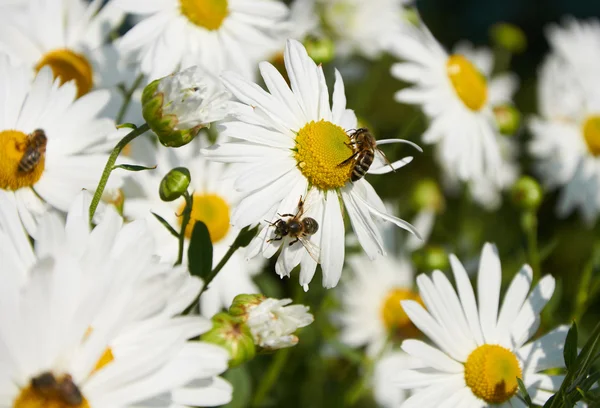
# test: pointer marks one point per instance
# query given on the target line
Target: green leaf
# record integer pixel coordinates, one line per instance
(570, 350)
(524, 393)
(239, 377)
(166, 225)
(133, 167)
(200, 251)
(245, 236)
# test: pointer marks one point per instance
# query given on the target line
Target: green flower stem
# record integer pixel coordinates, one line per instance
(587, 287)
(127, 98)
(529, 225)
(110, 166)
(187, 213)
(271, 376)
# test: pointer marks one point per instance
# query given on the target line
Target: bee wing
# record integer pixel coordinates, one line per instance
(312, 248)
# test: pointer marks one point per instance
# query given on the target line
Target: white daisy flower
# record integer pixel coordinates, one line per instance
(566, 136)
(274, 321)
(370, 303)
(217, 34)
(214, 199)
(457, 95)
(479, 347)
(104, 307)
(361, 26)
(291, 143)
(69, 36)
(73, 134)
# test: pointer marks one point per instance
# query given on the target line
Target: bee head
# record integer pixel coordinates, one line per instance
(281, 228)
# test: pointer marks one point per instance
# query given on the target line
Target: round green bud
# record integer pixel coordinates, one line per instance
(241, 303)
(509, 37)
(321, 50)
(527, 194)
(508, 119)
(430, 258)
(427, 195)
(174, 184)
(233, 335)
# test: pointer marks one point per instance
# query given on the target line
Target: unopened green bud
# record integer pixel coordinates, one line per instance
(527, 194)
(430, 258)
(234, 335)
(177, 106)
(427, 195)
(174, 184)
(509, 37)
(321, 50)
(241, 303)
(508, 119)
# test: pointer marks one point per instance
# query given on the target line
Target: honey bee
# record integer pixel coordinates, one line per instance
(297, 227)
(48, 386)
(364, 147)
(34, 151)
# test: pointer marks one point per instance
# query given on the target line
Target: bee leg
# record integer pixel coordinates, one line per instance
(286, 215)
(275, 239)
(294, 241)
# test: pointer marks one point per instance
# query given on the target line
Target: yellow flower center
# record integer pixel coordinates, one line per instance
(13, 146)
(591, 134)
(394, 317)
(212, 210)
(67, 66)
(207, 14)
(58, 395)
(469, 84)
(320, 148)
(491, 372)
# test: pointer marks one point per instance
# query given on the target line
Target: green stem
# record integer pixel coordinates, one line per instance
(110, 166)
(529, 225)
(271, 376)
(187, 213)
(127, 98)
(219, 266)
(587, 289)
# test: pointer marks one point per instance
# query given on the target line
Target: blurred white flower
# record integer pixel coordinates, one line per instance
(217, 34)
(385, 390)
(457, 94)
(105, 308)
(370, 301)
(566, 135)
(366, 27)
(74, 141)
(214, 199)
(479, 346)
(273, 322)
(290, 144)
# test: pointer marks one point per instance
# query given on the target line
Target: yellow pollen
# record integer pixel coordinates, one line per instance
(207, 14)
(491, 372)
(212, 210)
(13, 145)
(31, 397)
(67, 66)
(394, 317)
(591, 134)
(469, 84)
(320, 148)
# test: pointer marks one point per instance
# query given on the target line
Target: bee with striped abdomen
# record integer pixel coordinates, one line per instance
(363, 146)
(34, 151)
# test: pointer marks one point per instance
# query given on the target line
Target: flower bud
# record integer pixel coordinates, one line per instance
(527, 194)
(509, 37)
(174, 184)
(508, 119)
(233, 335)
(321, 50)
(427, 195)
(177, 106)
(430, 258)
(271, 321)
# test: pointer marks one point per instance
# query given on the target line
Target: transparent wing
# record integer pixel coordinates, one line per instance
(312, 248)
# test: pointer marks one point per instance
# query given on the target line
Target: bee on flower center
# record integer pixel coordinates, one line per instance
(35, 150)
(297, 227)
(363, 146)
(64, 389)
